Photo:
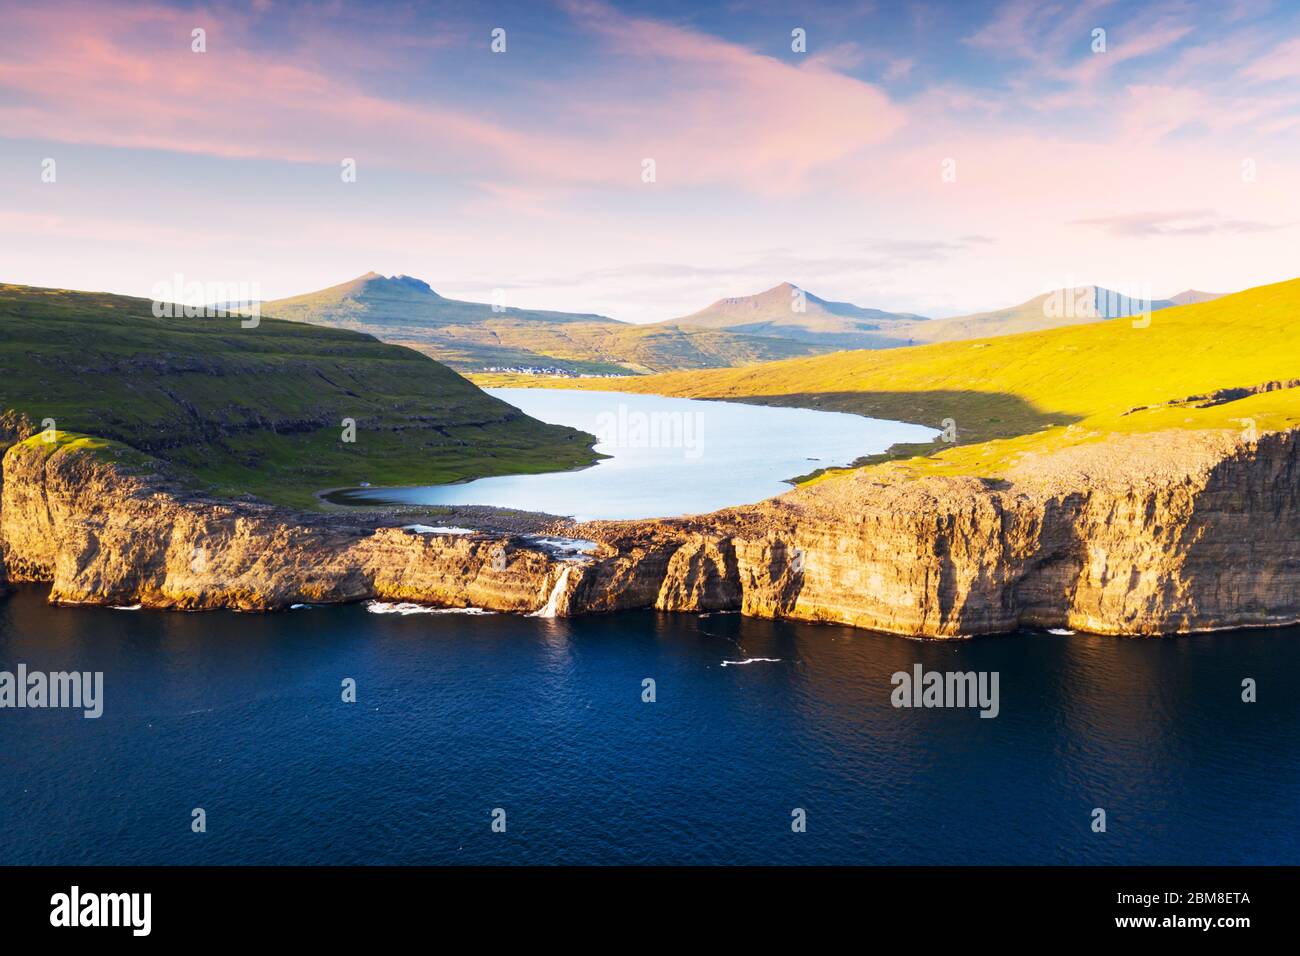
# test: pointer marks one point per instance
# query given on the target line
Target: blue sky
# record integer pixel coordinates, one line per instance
(928, 157)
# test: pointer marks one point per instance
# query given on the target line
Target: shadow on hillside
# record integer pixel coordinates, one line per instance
(977, 416)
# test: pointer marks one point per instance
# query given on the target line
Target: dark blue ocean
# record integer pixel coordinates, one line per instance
(457, 715)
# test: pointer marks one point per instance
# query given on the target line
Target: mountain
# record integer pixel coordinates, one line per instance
(782, 322)
(1192, 297)
(373, 300)
(842, 325)
(257, 410)
(788, 312)
(1228, 363)
(1075, 306)
(473, 336)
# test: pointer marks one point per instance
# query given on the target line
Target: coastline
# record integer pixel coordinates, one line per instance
(1172, 532)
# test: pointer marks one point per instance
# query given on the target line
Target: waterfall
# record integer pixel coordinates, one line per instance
(551, 603)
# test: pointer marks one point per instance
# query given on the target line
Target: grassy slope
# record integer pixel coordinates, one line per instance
(583, 348)
(259, 410)
(1043, 390)
(634, 348)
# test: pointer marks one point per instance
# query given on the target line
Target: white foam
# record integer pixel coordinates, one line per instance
(753, 660)
(406, 607)
(551, 607)
(564, 549)
(436, 529)
(1059, 630)
(126, 607)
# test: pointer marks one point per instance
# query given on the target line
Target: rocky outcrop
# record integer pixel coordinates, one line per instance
(99, 535)
(1143, 534)
(14, 427)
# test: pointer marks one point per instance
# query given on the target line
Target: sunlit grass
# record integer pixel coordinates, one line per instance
(257, 411)
(1039, 391)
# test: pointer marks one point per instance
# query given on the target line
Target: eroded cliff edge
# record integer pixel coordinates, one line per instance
(99, 534)
(1154, 533)
(1146, 534)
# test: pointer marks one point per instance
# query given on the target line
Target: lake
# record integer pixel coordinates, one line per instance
(457, 715)
(669, 456)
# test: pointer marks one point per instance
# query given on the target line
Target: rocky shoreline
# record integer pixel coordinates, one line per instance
(1147, 534)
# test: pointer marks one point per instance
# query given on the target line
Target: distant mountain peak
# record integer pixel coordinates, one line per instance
(1195, 297)
(790, 311)
(405, 282)
(375, 299)
(411, 282)
(781, 293)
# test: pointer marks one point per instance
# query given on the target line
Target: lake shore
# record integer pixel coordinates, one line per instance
(662, 457)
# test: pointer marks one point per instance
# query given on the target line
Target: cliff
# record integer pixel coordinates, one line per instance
(1146, 534)
(1155, 533)
(100, 535)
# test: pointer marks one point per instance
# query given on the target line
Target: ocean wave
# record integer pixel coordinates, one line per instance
(406, 607)
(436, 529)
(753, 660)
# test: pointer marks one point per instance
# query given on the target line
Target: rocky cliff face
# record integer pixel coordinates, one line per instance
(1145, 534)
(101, 536)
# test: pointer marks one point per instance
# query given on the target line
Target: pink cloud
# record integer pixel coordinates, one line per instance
(125, 76)
(731, 114)
(1281, 63)
(1038, 31)
(1141, 43)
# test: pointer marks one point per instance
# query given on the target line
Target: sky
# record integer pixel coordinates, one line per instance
(933, 157)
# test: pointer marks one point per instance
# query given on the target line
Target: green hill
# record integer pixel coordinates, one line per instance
(259, 410)
(373, 300)
(473, 337)
(579, 348)
(1233, 362)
